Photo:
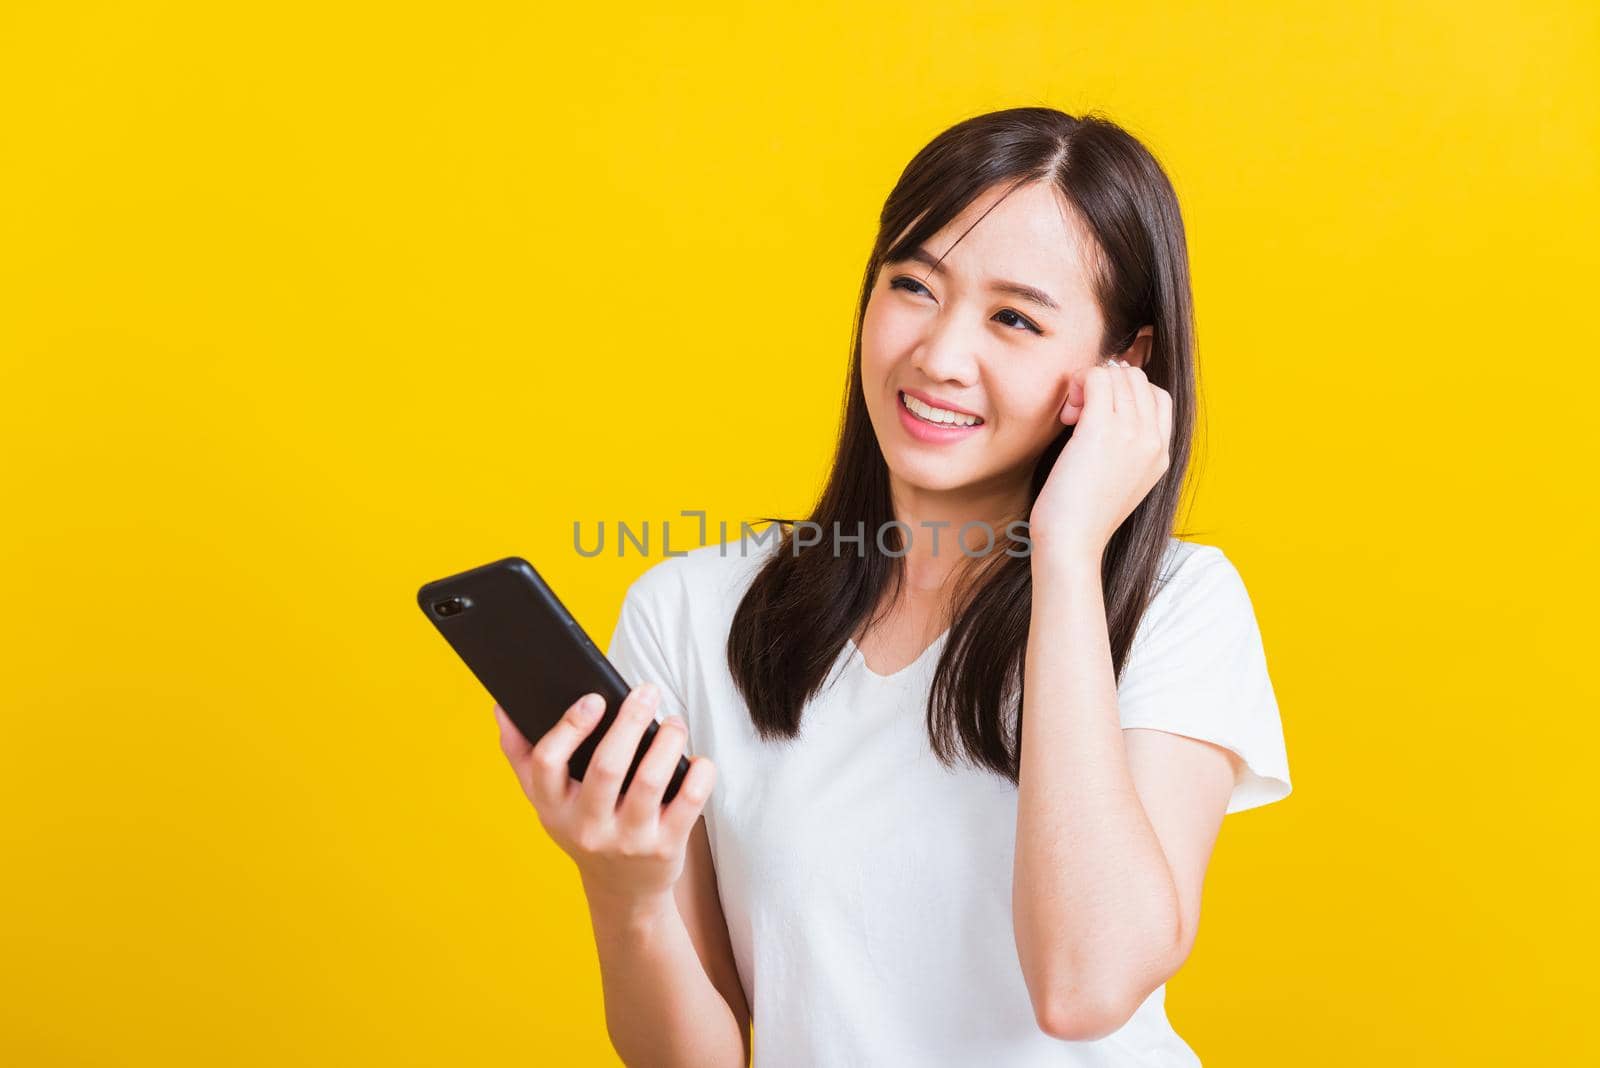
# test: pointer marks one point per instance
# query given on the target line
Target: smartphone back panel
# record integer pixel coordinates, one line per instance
(508, 626)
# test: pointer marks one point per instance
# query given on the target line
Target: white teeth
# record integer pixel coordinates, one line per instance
(937, 415)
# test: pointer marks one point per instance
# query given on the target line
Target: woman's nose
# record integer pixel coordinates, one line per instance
(947, 355)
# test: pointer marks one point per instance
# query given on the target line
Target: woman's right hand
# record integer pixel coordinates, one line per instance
(626, 852)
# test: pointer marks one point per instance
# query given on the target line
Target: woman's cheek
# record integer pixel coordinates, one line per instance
(875, 344)
(1035, 406)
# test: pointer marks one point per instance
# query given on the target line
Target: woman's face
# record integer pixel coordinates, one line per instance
(937, 345)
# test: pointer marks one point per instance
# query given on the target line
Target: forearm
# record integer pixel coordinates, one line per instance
(661, 1007)
(1094, 904)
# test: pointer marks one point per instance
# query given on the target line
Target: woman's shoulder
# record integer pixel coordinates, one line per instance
(1197, 576)
(1187, 557)
(710, 577)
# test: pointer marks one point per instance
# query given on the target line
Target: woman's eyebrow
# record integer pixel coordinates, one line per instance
(998, 285)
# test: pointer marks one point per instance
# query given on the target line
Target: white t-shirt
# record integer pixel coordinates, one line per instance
(867, 887)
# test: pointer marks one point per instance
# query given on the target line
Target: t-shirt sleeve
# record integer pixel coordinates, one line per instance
(642, 645)
(1197, 668)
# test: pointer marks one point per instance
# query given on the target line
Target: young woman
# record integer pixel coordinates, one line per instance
(964, 796)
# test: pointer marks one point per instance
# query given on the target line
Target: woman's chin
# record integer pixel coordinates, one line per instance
(919, 474)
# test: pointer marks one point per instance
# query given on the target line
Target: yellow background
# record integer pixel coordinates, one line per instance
(305, 304)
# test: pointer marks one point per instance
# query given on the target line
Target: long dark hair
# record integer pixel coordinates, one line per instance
(806, 601)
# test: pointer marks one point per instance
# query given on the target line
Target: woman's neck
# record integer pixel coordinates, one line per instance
(935, 519)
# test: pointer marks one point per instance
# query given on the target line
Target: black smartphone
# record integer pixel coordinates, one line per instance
(532, 656)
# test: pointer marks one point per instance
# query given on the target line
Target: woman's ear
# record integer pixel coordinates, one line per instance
(1139, 352)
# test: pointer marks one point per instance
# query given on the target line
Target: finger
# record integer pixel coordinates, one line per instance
(1121, 391)
(512, 743)
(549, 776)
(1097, 394)
(1144, 400)
(1072, 403)
(1075, 391)
(602, 781)
(1164, 419)
(641, 803)
(677, 819)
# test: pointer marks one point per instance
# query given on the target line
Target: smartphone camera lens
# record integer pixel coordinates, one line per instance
(451, 607)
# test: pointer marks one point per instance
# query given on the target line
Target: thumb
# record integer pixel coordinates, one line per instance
(1072, 407)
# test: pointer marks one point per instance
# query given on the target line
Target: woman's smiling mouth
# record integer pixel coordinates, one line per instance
(940, 416)
(927, 422)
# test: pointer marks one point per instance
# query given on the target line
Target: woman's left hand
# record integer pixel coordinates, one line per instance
(1116, 455)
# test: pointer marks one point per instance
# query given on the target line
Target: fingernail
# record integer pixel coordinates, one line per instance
(649, 694)
(590, 706)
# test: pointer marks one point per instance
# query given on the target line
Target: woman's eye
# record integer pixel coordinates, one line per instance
(1020, 319)
(907, 283)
